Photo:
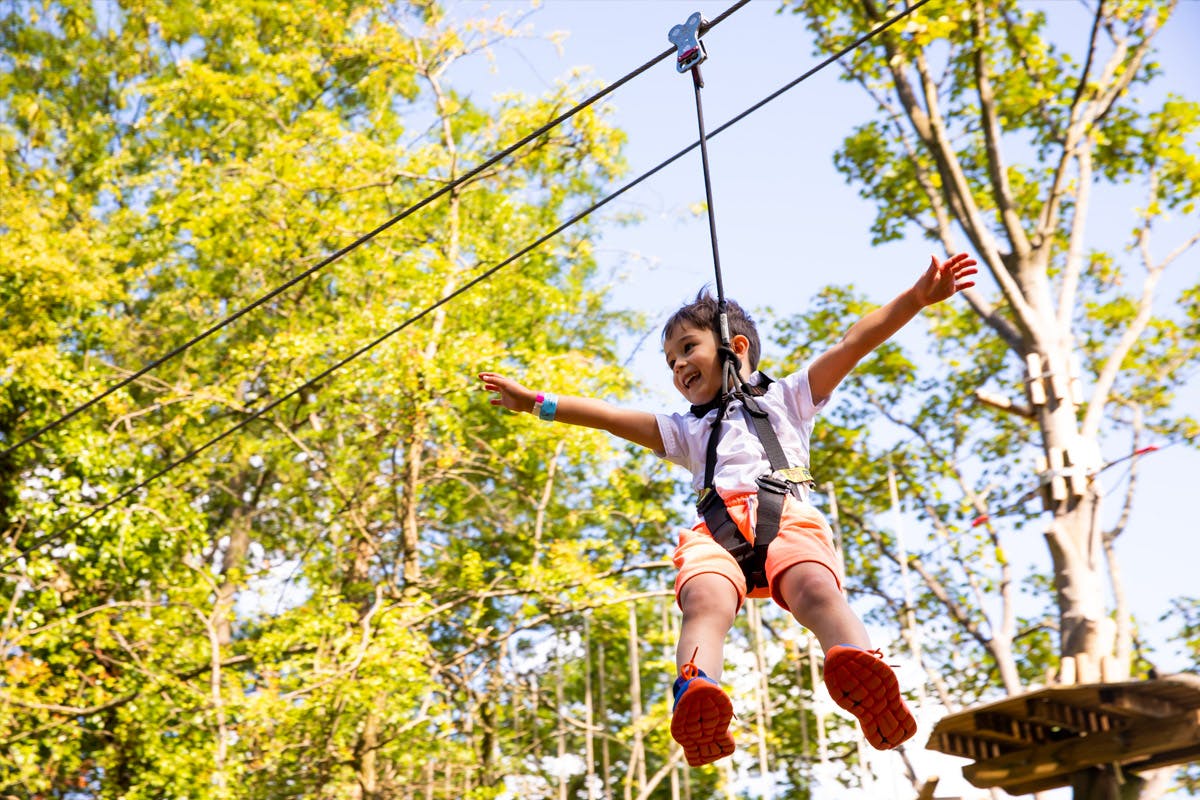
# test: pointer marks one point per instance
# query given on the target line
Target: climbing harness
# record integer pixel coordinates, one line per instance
(783, 479)
(773, 487)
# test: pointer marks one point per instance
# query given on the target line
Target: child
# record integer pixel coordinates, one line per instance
(801, 567)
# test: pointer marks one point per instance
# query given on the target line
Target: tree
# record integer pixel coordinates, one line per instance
(990, 131)
(320, 605)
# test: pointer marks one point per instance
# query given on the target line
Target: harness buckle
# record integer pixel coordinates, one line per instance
(686, 38)
(774, 485)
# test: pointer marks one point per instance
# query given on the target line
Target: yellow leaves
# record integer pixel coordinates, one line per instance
(28, 109)
(23, 670)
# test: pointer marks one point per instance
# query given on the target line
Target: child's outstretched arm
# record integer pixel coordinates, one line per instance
(939, 282)
(639, 427)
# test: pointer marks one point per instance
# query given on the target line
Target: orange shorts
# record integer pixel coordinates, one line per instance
(804, 536)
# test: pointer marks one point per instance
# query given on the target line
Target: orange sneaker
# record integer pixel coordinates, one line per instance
(700, 719)
(861, 683)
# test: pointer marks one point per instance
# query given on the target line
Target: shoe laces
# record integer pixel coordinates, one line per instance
(690, 670)
(878, 653)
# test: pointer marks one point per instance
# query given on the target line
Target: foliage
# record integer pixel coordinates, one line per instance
(991, 130)
(375, 590)
(320, 605)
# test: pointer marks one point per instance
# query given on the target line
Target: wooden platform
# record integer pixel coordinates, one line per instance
(1037, 741)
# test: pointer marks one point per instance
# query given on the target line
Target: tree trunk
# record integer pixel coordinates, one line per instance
(762, 692)
(589, 711)
(368, 745)
(232, 564)
(560, 703)
(1104, 783)
(637, 754)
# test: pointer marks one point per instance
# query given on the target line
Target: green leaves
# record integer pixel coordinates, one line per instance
(296, 610)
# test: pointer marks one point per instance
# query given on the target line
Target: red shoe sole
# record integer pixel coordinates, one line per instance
(701, 723)
(861, 683)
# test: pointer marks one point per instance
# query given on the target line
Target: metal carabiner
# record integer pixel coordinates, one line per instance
(686, 38)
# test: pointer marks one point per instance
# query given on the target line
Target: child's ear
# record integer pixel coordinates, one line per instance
(740, 344)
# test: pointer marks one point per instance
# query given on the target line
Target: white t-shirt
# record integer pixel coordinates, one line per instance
(740, 456)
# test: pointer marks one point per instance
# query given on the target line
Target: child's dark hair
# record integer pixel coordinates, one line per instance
(702, 313)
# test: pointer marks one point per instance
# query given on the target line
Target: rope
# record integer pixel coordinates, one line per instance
(338, 254)
(485, 275)
(730, 365)
(698, 83)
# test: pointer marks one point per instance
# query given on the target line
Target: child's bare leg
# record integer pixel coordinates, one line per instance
(856, 677)
(812, 594)
(709, 603)
(702, 711)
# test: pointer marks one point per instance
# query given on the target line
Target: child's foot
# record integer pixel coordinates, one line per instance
(861, 683)
(700, 721)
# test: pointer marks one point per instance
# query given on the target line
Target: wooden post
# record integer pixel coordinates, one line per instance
(1033, 370)
(1058, 485)
(1076, 474)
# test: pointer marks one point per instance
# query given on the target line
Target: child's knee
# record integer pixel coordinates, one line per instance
(809, 584)
(709, 595)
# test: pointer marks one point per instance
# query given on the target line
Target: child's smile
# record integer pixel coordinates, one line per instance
(695, 367)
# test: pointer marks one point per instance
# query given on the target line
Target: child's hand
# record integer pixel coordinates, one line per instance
(944, 278)
(512, 395)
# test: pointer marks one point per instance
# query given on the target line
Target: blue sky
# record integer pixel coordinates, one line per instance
(787, 222)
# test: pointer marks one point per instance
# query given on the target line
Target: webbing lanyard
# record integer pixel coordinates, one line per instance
(686, 38)
(771, 490)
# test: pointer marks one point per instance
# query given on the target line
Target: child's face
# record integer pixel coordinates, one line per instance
(694, 362)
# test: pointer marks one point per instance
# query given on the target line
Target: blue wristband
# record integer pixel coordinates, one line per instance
(547, 407)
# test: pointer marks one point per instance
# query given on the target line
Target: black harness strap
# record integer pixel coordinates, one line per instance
(752, 558)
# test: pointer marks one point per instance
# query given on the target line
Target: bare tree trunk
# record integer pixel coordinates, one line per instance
(602, 697)
(415, 455)
(560, 704)
(217, 699)
(814, 677)
(589, 711)
(233, 562)
(368, 746)
(637, 754)
(762, 721)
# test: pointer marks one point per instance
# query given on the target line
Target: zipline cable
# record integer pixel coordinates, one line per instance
(483, 276)
(338, 254)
